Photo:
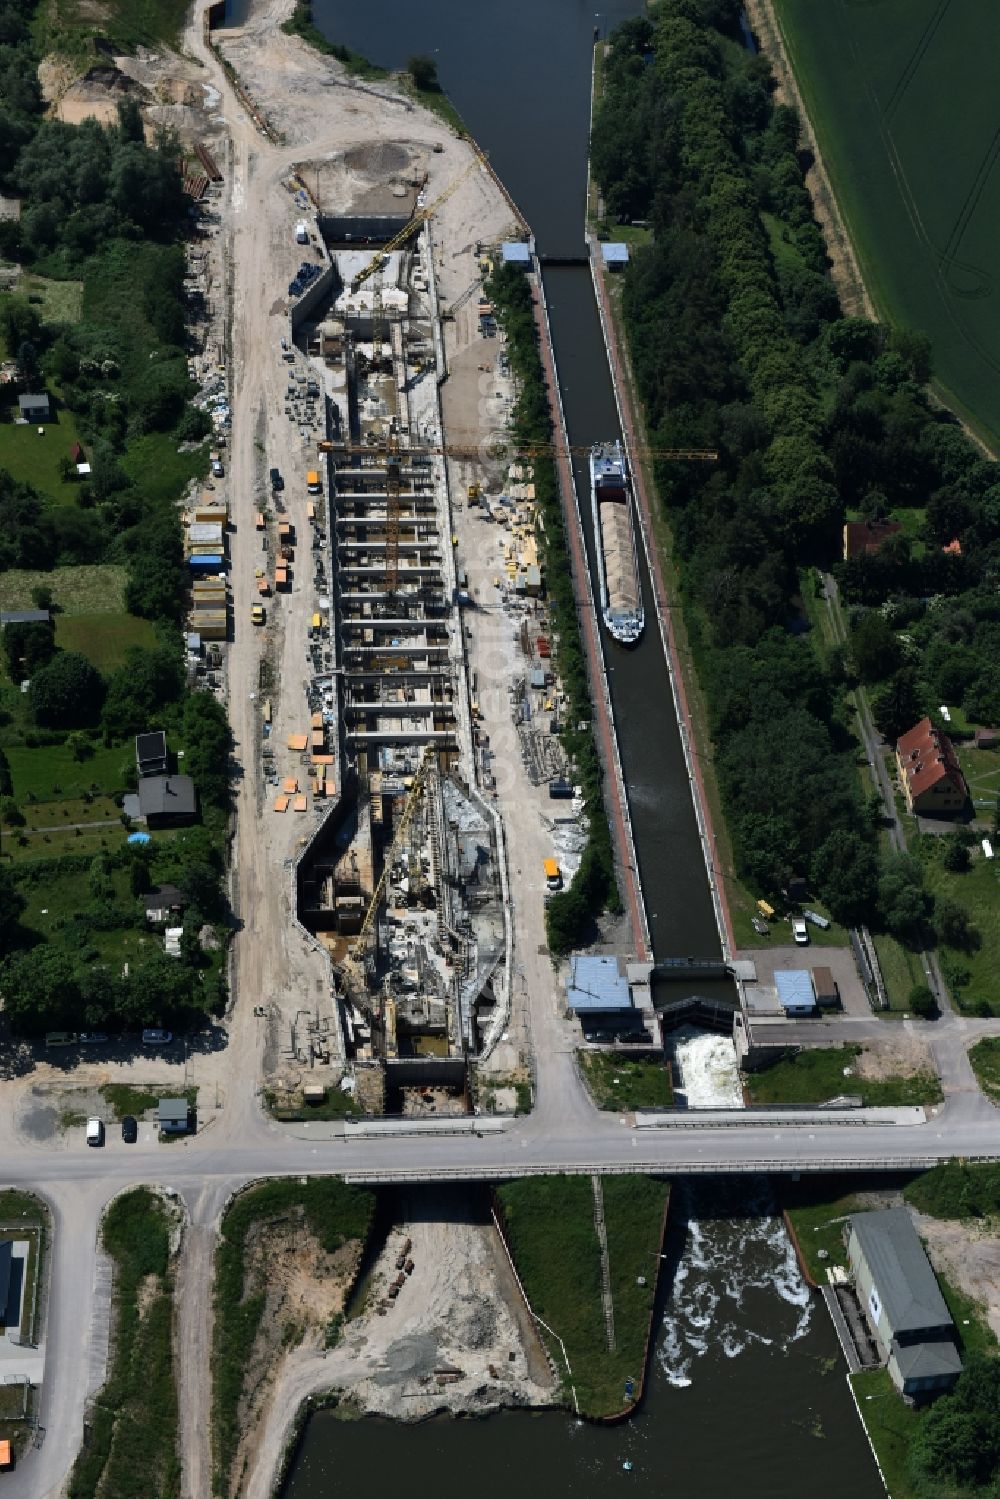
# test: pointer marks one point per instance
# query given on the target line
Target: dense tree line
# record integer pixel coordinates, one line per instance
(570, 914)
(739, 345)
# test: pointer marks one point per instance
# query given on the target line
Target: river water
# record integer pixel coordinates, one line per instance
(747, 1384)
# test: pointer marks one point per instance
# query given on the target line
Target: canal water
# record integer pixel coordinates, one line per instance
(747, 1384)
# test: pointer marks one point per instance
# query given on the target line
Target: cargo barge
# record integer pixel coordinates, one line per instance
(614, 541)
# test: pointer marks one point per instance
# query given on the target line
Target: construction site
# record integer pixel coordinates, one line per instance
(404, 883)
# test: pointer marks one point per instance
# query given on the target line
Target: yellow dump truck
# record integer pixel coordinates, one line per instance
(313, 484)
(257, 614)
(553, 875)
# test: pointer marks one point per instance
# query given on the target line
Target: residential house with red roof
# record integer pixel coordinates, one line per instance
(929, 771)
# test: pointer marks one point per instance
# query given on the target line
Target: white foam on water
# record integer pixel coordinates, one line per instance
(724, 1259)
(707, 1072)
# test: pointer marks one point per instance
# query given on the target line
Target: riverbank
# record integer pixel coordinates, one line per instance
(439, 1328)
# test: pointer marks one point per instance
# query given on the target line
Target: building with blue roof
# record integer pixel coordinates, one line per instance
(795, 990)
(595, 984)
(516, 252)
(614, 254)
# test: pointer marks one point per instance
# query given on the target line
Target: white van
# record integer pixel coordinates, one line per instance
(95, 1132)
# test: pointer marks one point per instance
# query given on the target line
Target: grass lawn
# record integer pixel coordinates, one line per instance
(61, 301)
(64, 814)
(620, 1082)
(630, 234)
(985, 1059)
(550, 1228)
(93, 589)
(103, 638)
(973, 978)
(892, 1426)
(819, 1226)
(901, 970)
(155, 465)
(35, 460)
(22, 846)
(981, 769)
(815, 1076)
(50, 773)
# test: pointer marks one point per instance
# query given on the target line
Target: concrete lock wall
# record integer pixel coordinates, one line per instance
(341, 230)
(313, 294)
(426, 1072)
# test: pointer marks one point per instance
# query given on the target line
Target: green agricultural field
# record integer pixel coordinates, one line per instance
(103, 638)
(75, 590)
(36, 460)
(902, 96)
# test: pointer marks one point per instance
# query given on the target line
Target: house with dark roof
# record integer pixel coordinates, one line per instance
(166, 801)
(35, 408)
(867, 536)
(151, 753)
(929, 772)
(902, 1302)
(162, 903)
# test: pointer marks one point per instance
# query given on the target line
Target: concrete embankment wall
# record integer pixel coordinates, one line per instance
(607, 743)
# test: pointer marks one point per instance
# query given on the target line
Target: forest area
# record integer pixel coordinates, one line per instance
(739, 344)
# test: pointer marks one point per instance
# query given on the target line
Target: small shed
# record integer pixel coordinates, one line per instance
(151, 753)
(515, 252)
(35, 408)
(825, 987)
(162, 902)
(795, 990)
(172, 1116)
(615, 255)
(987, 738)
(24, 617)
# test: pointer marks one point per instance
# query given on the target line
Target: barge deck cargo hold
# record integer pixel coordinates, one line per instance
(614, 537)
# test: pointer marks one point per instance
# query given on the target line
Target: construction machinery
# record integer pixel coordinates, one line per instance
(353, 965)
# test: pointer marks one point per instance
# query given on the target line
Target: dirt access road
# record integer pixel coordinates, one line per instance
(321, 114)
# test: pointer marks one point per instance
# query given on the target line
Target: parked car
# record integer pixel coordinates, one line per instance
(217, 469)
(153, 1036)
(95, 1132)
(130, 1130)
(800, 931)
(93, 1038)
(277, 482)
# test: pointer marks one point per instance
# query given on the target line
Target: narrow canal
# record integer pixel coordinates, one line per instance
(747, 1387)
